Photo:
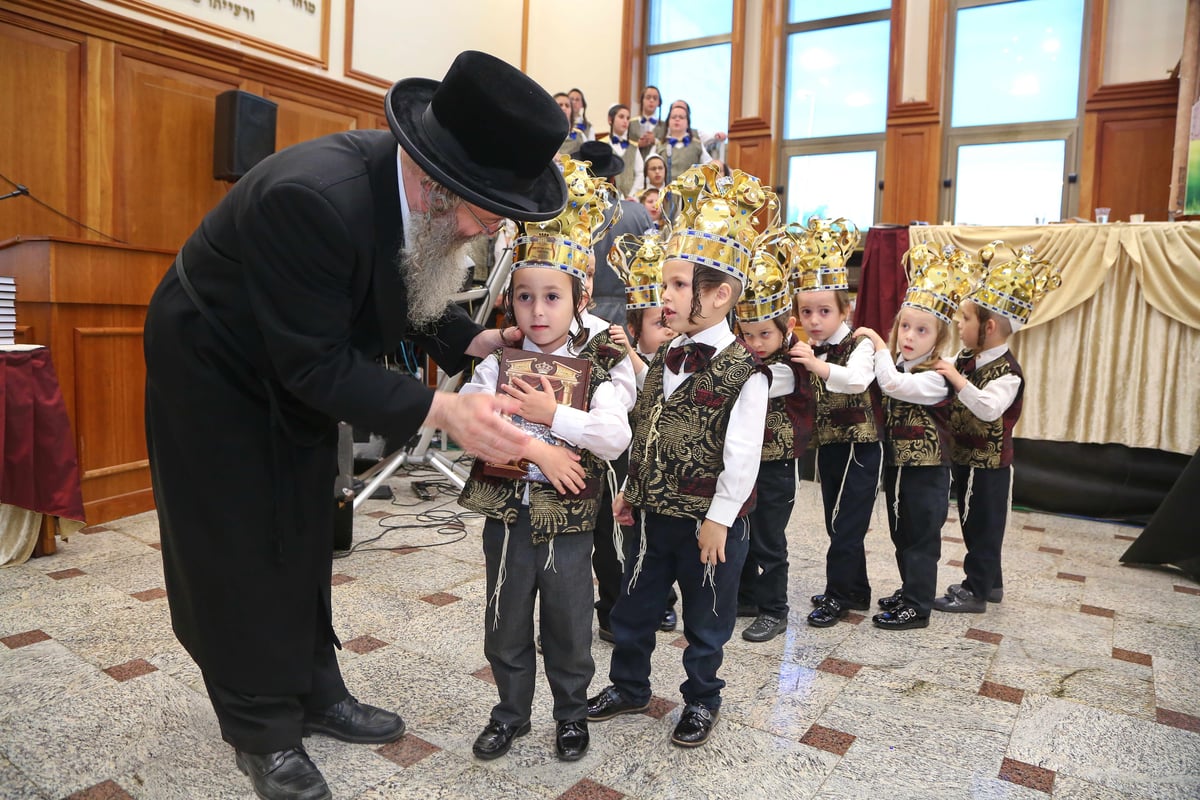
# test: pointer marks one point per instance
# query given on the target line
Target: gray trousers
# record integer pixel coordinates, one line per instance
(565, 619)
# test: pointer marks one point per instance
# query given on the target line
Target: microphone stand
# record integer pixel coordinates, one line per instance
(20, 190)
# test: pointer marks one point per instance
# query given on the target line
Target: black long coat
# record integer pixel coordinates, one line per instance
(298, 264)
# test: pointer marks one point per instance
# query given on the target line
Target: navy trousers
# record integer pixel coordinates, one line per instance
(983, 516)
(849, 482)
(924, 500)
(764, 580)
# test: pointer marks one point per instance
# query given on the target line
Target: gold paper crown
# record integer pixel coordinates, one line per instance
(1012, 288)
(714, 218)
(771, 283)
(937, 283)
(638, 261)
(826, 247)
(565, 242)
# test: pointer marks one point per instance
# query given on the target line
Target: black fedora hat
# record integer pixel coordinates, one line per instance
(486, 132)
(605, 163)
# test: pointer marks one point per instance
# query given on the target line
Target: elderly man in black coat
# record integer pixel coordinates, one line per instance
(265, 333)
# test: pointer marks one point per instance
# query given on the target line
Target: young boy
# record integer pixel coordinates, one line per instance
(989, 386)
(698, 437)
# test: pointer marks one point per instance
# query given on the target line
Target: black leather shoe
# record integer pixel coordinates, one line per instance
(285, 775)
(893, 600)
(495, 739)
(352, 721)
(899, 618)
(764, 628)
(854, 603)
(571, 739)
(996, 595)
(960, 601)
(827, 615)
(695, 724)
(670, 621)
(610, 703)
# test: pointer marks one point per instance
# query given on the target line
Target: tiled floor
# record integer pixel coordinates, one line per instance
(1083, 683)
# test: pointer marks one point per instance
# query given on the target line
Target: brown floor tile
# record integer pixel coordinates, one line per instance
(363, 644)
(339, 578)
(109, 790)
(1177, 719)
(485, 674)
(998, 691)
(659, 707)
(1132, 657)
(73, 572)
(130, 670)
(404, 551)
(954, 539)
(1186, 589)
(26, 638)
(1097, 611)
(1033, 528)
(1122, 537)
(827, 739)
(590, 790)
(983, 636)
(1033, 777)
(407, 750)
(380, 514)
(1058, 551)
(94, 529)
(853, 618)
(679, 641)
(1067, 576)
(836, 666)
(954, 562)
(156, 545)
(150, 594)
(441, 598)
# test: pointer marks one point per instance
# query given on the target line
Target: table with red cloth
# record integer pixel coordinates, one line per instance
(39, 473)
(882, 283)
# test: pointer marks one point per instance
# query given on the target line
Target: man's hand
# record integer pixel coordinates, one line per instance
(711, 542)
(622, 511)
(558, 464)
(492, 339)
(474, 421)
(536, 406)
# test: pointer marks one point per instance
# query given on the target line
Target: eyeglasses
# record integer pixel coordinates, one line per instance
(485, 228)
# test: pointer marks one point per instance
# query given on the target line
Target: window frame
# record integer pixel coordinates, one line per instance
(651, 50)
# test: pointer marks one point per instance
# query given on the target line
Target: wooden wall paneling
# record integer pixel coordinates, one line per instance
(298, 120)
(752, 149)
(1133, 163)
(914, 155)
(40, 79)
(164, 147)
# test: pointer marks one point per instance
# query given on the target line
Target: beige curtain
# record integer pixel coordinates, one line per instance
(1113, 355)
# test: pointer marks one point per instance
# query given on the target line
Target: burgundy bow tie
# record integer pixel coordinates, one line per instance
(821, 349)
(690, 357)
(966, 365)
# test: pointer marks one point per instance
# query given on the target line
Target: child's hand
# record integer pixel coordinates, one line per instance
(711, 542)
(801, 352)
(536, 406)
(948, 371)
(560, 465)
(875, 338)
(622, 511)
(617, 334)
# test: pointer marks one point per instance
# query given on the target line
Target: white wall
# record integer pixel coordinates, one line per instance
(578, 45)
(1145, 39)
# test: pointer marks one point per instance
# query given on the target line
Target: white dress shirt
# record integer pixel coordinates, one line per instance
(925, 388)
(859, 370)
(990, 402)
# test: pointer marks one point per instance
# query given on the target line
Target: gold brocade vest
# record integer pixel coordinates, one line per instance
(550, 513)
(679, 443)
(844, 417)
(976, 443)
(603, 352)
(917, 435)
(789, 417)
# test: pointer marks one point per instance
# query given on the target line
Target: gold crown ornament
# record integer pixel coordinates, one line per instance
(938, 282)
(771, 281)
(565, 242)
(1013, 287)
(714, 218)
(825, 250)
(637, 260)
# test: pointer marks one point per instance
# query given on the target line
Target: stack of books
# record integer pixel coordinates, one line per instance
(8, 309)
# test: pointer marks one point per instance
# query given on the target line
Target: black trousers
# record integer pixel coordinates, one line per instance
(764, 580)
(916, 525)
(258, 723)
(983, 506)
(849, 482)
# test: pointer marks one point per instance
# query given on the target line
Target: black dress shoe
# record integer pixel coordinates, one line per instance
(670, 621)
(695, 724)
(900, 618)
(764, 628)
(359, 723)
(285, 775)
(495, 739)
(893, 600)
(960, 601)
(571, 739)
(610, 703)
(853, 603)
(827, 615)
(996, 595)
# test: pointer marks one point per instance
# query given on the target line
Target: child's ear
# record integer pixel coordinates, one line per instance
(724, 293)
(791, 326)
(585, 300)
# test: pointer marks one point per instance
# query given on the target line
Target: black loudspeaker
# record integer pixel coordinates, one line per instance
(243, 135)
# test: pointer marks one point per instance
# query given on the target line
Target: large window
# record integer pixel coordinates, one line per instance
(688, 55)
(835, 108)
(1011, 149)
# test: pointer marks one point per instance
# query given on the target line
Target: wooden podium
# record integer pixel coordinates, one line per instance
(87, 302)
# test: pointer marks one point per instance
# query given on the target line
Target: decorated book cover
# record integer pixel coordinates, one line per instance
(568, 379)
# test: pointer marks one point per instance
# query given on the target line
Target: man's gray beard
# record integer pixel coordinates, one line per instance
(431, 264)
